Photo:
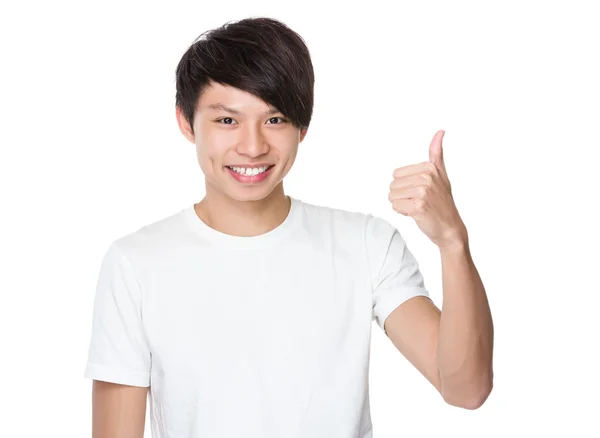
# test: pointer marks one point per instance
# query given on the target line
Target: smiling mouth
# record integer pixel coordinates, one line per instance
(250, 171)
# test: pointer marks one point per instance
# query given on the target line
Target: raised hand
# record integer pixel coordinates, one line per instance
(423, 192)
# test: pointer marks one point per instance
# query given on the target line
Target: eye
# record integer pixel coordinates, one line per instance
(225, 118)
(280, 118)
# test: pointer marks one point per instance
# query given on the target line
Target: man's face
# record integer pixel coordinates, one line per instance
(235, 130)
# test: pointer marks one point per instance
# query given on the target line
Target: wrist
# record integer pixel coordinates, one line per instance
(457, 241)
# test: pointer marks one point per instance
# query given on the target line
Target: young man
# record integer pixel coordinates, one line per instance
(249, 313)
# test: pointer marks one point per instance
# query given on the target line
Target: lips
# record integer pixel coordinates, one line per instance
(250, 179)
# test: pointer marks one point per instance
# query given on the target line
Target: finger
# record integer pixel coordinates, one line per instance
(403, 206)
(418, 179)
(407, 193)
(436, 152)
(411, 169)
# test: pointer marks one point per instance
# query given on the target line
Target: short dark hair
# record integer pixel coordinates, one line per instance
(260, 55)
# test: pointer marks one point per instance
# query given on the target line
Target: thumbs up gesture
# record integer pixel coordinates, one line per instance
(423, 192)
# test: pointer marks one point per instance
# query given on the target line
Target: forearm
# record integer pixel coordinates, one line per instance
(465, 340)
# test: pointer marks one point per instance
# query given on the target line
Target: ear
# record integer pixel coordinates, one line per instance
(184, 125)
(303, 132)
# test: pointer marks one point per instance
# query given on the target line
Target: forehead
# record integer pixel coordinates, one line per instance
(217, 95)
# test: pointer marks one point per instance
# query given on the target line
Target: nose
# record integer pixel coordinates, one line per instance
(252, 143)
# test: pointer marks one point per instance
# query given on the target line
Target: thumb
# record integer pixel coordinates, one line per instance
(436, 152)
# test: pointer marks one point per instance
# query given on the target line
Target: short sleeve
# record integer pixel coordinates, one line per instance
(118, 349)
(395, 272)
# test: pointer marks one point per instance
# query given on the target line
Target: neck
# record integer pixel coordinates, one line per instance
(240, 217)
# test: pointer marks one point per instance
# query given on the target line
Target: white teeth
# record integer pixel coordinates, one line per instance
(249, 171)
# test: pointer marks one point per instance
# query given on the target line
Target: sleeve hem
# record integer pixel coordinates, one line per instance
(108, 374)
(390, 301)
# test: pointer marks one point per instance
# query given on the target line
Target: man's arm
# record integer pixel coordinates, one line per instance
(118, 411)
(451, 348)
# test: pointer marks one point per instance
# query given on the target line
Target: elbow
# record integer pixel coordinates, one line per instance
(472, 399)
(476, 402)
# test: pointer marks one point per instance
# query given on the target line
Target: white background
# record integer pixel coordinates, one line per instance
(91, 151)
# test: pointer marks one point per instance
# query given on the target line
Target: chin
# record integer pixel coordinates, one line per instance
(249, 197)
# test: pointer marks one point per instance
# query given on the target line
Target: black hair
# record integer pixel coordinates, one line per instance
(260, 55)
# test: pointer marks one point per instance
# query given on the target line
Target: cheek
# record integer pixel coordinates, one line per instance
(212, 145)
(211, 141)
(219, 139)
(285, 140)
(288, 146)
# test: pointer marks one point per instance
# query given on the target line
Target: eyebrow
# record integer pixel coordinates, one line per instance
(220, 106)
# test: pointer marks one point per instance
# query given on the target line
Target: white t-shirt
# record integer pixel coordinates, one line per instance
(255, 337)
